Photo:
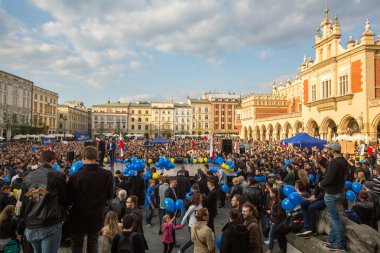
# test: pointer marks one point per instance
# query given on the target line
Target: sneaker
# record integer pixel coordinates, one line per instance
(337, 247)
(327, 241)
(148, 225)
(305, 233)
(266, 242)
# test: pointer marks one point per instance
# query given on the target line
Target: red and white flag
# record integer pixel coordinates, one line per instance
(192, 144)
(212, 153)
(283, 145)
(121, 145)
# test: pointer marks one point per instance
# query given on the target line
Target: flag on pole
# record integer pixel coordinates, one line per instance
(121, 145)
(192, 143)
(236, 147)
(283, 145)
(212, 153)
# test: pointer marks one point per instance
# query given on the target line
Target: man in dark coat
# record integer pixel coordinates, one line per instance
(185, 172)
(137, 187)
(235, 237)
(183, 185)
(102, 151)
(89, 190)
(211, 203)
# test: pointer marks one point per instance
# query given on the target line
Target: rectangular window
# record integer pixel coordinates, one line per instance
(139, 127)
(133, 127)
(146, 127)
(326, 89)
(343, 85)
(314, 92)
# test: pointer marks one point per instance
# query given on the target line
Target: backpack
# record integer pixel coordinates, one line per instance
(240, 238)
(12, 247)
(125, 244)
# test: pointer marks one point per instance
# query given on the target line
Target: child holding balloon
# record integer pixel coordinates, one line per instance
(167, 232)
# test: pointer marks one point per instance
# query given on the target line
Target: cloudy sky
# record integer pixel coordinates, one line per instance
(94, 51)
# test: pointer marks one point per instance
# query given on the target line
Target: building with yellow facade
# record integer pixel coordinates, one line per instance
(201, 115)
(44, 109)
(337, 91)
(110, 118)
(139, 122)
(73, 117)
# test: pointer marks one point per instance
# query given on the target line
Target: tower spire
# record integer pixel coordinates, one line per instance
(326, 10)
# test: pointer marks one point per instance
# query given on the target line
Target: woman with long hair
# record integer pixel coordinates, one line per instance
(110, 229)
(303, 176)
(190, 217)
(8, 225)
(203, 237)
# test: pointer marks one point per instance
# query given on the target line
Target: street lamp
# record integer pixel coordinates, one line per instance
(64, 126)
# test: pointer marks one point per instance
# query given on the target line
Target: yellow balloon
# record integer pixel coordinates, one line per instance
(172, 160)
(200, 160)
(150, 160)
(155, 175)
(227, 167)
(205, 160)
(105, 159)
(223, 165)
(194, 160)
(15, 191)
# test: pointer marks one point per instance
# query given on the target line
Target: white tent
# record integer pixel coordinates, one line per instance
(69, 135)
(343, 137)
(2, 138)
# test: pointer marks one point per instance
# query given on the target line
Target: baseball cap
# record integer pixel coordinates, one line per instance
(334, 146)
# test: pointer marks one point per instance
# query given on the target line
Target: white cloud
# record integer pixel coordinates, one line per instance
(136, 98)
(135, 65)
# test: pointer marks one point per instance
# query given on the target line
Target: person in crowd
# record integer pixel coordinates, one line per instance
(333, 185)
(375, 199)
(252, 194)
(8, 226)
(167, 232)
(277, 215)
(235, 237)
(361, 177)
(171, 193)
(365, 209)
(290, 177)
(137, 187)
(236, 188)
(110, 229)
(150, 202)
(211, 203)
(303, 176)
(183, 187)
(201, 234)
(196, 205)
(222, 180)
(128, 239)
(5, 197)
(102, 151)
(44, 196)
(111, 147)
(89, 189)
(237, 202)
(161, 192)
(184, 172)
(250, 214)
(349, 213)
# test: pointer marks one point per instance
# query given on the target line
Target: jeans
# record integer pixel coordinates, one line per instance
(148, 214)
(337, 231)
(309, 210)
(77, 242)
(112, 158)
(45, 239)
(188, 243)
(271, 236)
(160, 215)
(168, 247)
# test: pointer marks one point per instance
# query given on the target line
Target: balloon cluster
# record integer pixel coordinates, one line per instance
(5, 179)
(351, 194)
(75, 167)
(165, 162)
(293, 198)
(132, 166)
(229, 165)
(200, 160)
(172, 206)
(219, 160)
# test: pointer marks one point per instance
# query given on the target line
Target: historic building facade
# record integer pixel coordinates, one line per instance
(45, 109)
(109, 118)
(15, 103)
(337, 92)
(140, 114)
(163, 118)
(182, 118)
(73, 117)
(201, 115)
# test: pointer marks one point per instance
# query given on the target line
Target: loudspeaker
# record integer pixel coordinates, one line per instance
(242, 150)
(70, 156)
(227, 146)
(178, 160)
(90, 143)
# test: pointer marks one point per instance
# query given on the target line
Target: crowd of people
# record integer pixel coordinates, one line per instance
(43, 205)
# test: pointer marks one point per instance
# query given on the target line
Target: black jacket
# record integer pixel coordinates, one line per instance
(89, 190)
(44, 195)
(212, 202)
(8, 228)
(102, 146)
(183, 186)
(235, 238)
(366, 212)
(137, 188)
(333, 182)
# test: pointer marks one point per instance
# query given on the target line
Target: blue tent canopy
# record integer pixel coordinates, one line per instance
(159, 140)
(305, 140)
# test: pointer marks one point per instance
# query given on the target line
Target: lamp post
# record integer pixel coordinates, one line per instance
(64, 126)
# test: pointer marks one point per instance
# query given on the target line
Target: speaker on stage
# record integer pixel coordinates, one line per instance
(227, 146)
(178, 160)
(70, 156)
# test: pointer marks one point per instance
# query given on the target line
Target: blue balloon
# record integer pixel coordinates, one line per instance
(147, 176)
(56, 166)
(191, 160)
(133, 160)
(184, 161)
(237, 172)
(169, 204)
(288, 189)
(6, 180)
(224, 188)
(125, 171)
(350, 195)
(157, 164)
(348, 185)
(287, 205)
(295, 198)
(75, 167)
(311, 177)
(218, 241)
(287, 163)
(187, 195)
(356, 187)
(213, 169)
(179, 204)
(209, 160)
(131, 173)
